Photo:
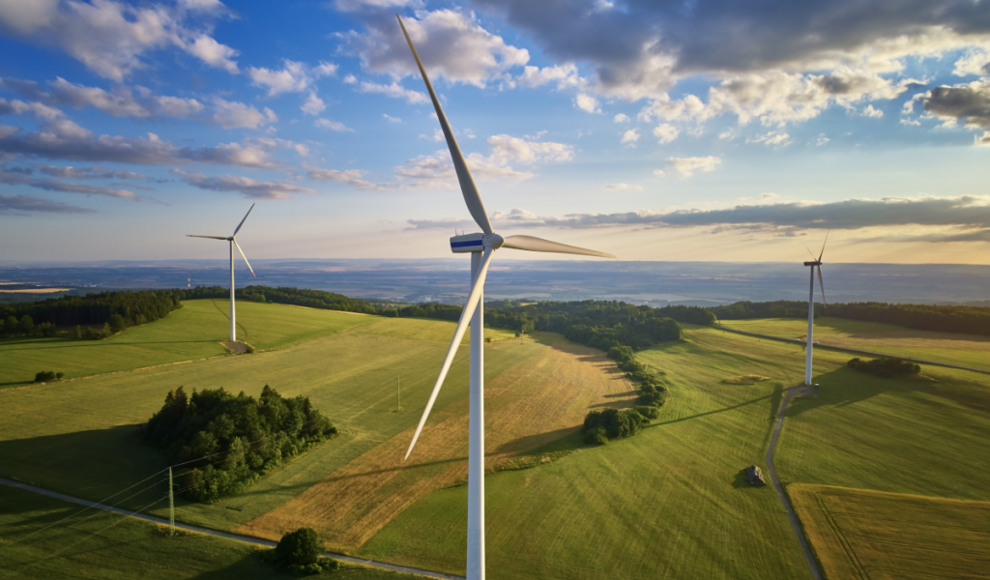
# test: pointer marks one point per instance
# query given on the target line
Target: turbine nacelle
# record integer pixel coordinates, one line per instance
(475, 243)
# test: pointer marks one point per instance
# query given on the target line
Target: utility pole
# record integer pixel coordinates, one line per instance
(171, 505)
(398, 399)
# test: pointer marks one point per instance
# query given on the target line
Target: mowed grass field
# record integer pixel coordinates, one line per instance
(960, 349)
(886, 536)
(102, 545)
(195, 331)
(670, 502)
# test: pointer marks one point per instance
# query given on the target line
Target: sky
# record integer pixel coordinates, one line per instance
(674, 131)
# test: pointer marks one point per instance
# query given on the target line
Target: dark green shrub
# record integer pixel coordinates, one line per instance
(47, 376)
(596, 436)
(647, 411)
(299, 552)
(886, 368)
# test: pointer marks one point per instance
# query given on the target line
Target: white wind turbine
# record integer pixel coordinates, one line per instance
(480, 246)
(811, 306)
(232, 242)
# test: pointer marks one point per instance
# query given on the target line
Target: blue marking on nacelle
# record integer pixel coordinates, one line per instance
(465, 244)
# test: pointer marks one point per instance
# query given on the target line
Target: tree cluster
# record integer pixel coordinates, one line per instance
(284, 295)
(95, 316)
(48, 376)
(887, 368)
(230, 441)
(600, 426)
(299, 552)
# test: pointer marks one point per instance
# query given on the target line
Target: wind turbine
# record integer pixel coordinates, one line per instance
(811, 306)
(232, 242)
(481, 246)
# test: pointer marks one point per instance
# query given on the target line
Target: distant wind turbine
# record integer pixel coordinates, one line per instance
(480, 246)
(811, 306)
(232, 242)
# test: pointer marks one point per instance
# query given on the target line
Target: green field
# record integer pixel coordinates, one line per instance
(959, 349)
(87, 444)
(195, 331)
(668, 503)
(869, 534)
(103, 545)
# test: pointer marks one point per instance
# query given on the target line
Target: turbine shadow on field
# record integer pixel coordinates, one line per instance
(532, 444)
(76, 344)
(716, 412)
(845, 386)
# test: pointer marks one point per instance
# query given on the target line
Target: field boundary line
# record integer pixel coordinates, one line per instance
(816, 572)
(857, 351)
(226, 535)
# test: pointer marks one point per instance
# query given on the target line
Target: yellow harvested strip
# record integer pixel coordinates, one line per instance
(539, 400)
(858, 533)
(35, 290)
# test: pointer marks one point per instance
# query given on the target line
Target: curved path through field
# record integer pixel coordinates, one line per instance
(235, 537)
(858, 351)
(808, 555)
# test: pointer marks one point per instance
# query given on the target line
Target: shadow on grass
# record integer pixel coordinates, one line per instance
(100, 343)
(845, 386)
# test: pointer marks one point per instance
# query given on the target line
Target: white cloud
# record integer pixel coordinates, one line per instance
(314, 105)
(686, 166)
(976, 61)
(566, 76)
(70, 172)
(350, 79)
(872, 112)
(248, 187)
(587, 103)
(822, 139)
(630, 136)
(110, 38)
(332, 125)
(771, 139)
(351, 177)
(394, 90)
(10, 178)
(450, 44)
(623, 186)
(391, 119)
(234, 115)
(293, 78)
(659, 173)
(665, 133)
(437, 136)
(621, 118)
(39, 110)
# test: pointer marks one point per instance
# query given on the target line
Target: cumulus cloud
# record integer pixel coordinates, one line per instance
(39, 110)
(12, 178)
(394, 90)
(18, 204)
(587, 103)
(772, 138)
(332, 125)
(244, 185)
(630, 136)
(391, 119)
(872, 112)
(294, 77)
(66, 140)
(968, 103)
(352, 177)
(620, 118)
(233, 115)
(437, 170)
(564, 76)
(110, 38)
(665, 133)
(314, 105)
(450, 44)
(686, 166)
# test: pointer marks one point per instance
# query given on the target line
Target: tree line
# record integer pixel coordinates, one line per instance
(962, 319)
(230, 441)
(92, 316)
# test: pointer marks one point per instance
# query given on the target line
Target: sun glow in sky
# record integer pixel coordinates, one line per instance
(696, 130)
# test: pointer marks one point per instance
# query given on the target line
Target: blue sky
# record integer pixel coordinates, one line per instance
(692, 130)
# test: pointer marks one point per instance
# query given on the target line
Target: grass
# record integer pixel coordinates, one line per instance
(960, 349)
(668, 502)
(195, 331)
(869, 534)
(111, 546)
(922, 436)
(87, 446)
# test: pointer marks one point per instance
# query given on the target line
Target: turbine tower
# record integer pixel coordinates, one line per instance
(481, 246)
(811, 306)
(232, 242)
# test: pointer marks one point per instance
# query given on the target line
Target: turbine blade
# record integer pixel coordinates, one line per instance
(208, 237)
(243, 256)
(823, 246)
(243, 220)
(468, 189)
(540, 245)
(822, 284)
(810, 252)
(462, 326)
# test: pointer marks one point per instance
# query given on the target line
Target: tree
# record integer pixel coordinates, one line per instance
(299, 551)
(27, 324)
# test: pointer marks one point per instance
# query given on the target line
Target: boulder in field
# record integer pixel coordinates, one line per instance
(754, 476)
